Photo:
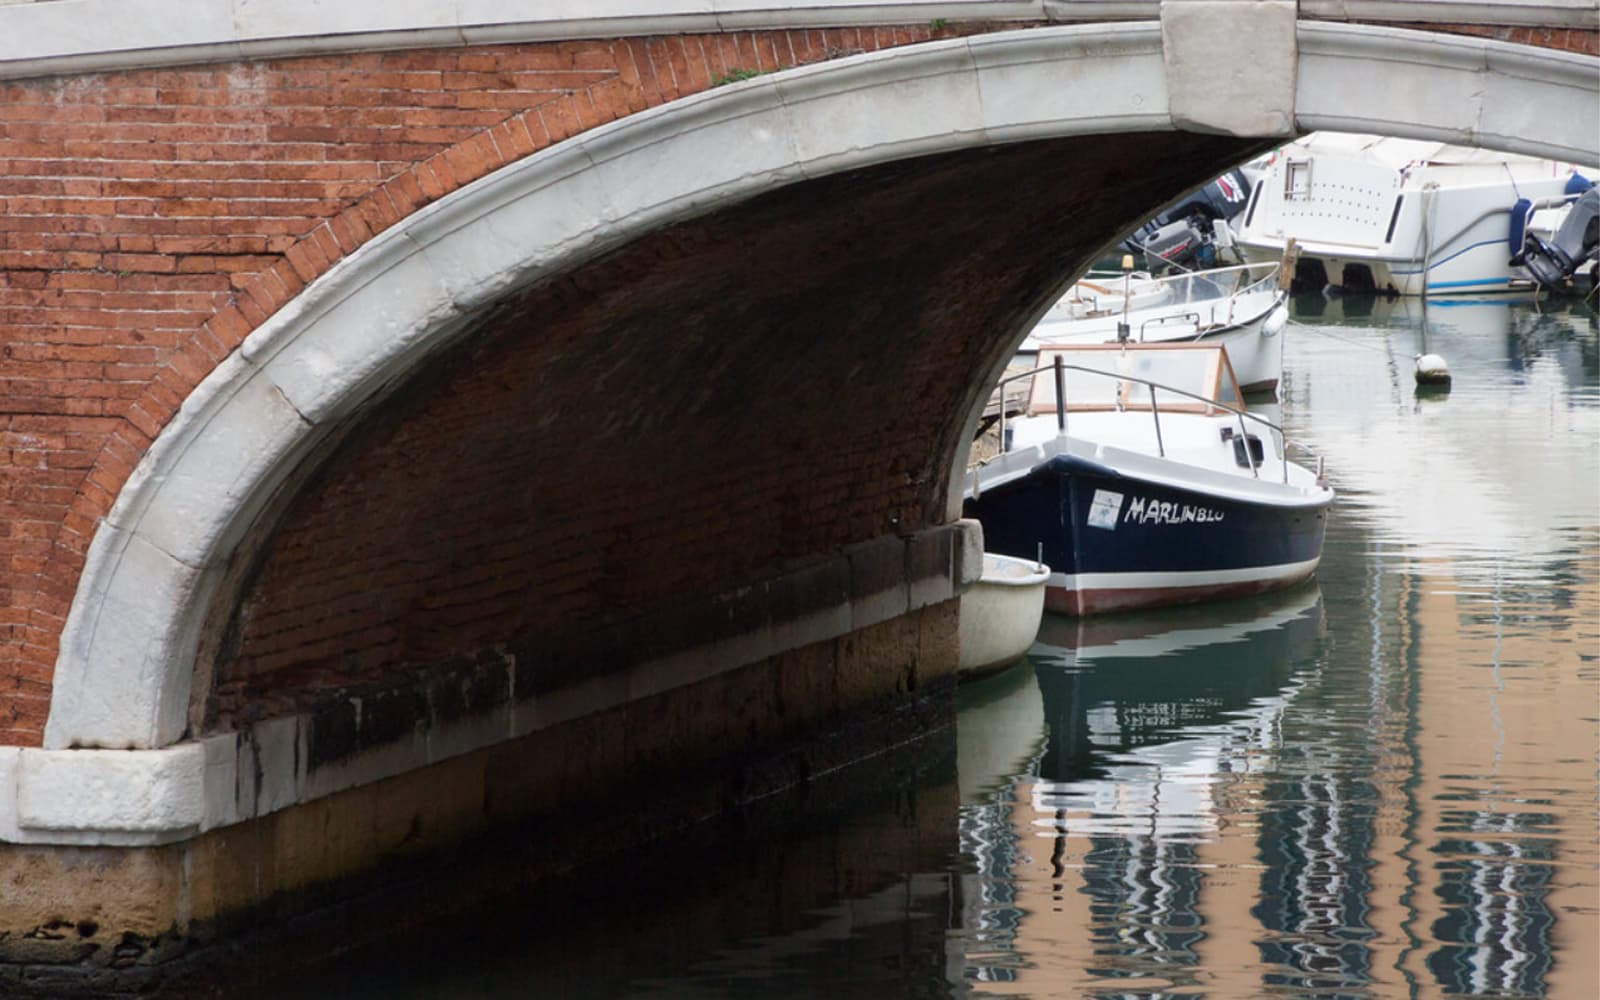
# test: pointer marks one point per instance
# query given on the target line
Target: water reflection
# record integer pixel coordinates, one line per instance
(1462, 573)
(1088, 860)
(1389, 793)
(1382, 784)
(1525, 330)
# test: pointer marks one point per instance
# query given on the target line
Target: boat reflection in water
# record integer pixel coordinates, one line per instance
(1480, 333)
(1095, 780)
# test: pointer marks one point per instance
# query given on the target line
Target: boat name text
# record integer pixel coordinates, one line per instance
(1141, 511)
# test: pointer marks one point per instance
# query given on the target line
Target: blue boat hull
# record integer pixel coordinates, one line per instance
(1116, 542)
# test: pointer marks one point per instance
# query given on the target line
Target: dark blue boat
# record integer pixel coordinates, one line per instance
(1140, 492)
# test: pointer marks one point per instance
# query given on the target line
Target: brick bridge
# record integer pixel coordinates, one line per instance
(414, 425)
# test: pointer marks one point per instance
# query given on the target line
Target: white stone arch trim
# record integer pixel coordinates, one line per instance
(127, 652)
(1451, 88)
(123, 673)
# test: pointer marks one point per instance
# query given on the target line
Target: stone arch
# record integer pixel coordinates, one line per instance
(387, 302)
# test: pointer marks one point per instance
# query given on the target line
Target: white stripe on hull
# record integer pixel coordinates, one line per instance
(1183, 579)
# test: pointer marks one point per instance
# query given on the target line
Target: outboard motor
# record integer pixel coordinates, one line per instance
(1176, 243)
(1575, 243)
(1185, 235)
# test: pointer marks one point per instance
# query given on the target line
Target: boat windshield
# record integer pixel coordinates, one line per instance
(1090, 383)
(1096, 297)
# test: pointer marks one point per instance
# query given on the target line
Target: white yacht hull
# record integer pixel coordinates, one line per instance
(1412, 218)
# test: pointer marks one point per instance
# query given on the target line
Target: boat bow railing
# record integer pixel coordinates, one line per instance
(1209, 288)
(1058, 369)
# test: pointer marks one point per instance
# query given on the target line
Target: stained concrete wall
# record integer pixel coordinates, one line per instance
(96, 921)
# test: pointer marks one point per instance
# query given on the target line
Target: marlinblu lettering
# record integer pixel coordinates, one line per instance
(1141, 511)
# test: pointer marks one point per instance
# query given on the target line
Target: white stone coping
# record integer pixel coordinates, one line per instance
(143, 797)
(59, 37)
(88, 796)
(77, 36)
(1456, 89)
(1528, 13)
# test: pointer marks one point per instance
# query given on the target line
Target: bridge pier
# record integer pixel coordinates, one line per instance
(291, 818)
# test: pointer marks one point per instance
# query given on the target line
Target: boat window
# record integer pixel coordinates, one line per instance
(1296, 180)
(1257, 453)
(1196, 370)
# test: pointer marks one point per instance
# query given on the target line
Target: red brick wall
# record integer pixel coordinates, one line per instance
(1580, 40)
(149, 219)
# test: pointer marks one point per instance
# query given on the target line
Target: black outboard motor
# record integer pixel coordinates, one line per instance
(1576, 243)
(1185, 234)
(1185, 242)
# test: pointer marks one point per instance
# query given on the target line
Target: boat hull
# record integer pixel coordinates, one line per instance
(1256, 350)
(1000, 614)
(1477, 269)
(1400, 218)
(1118, 542)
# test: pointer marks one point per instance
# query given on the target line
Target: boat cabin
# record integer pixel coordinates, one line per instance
(1188, 378)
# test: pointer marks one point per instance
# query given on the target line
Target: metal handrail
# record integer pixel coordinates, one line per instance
(1162, 321)
(1245, 270)
(1060, 369)
(1269, 271)
(1245, 283)
(1553, 201)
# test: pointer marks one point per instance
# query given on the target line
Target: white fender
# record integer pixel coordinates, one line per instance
(1274, 323)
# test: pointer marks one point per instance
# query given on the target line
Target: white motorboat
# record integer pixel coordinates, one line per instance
(1141, 481)
(1407, 216)
(999, 615)
(1243, 308)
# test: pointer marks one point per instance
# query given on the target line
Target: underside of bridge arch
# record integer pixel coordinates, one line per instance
(578, 485)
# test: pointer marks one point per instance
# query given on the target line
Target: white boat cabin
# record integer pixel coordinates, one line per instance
(1199, 372)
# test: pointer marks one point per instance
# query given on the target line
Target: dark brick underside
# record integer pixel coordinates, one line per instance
(722, 398)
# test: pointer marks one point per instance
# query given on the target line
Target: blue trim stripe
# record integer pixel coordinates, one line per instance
(1461, 284)
(1501, 301)
(1443, 260)
(1466, 283)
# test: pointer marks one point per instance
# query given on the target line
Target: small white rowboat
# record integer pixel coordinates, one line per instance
(1000, 614)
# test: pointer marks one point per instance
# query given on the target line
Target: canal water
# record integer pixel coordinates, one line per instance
(1380, 784)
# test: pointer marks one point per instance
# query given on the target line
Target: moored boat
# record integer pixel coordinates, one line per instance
(1245, 308)
(1143, 482)
(999, 615)
(1410, 217)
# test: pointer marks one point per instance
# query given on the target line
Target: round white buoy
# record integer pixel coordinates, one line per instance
(1432, 370)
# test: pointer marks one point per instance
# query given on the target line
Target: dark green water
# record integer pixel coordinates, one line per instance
(1380, 784)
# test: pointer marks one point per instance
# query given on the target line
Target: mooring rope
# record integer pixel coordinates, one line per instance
(1348, 340)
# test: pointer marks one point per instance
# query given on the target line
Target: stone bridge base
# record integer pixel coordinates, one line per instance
(309, 883)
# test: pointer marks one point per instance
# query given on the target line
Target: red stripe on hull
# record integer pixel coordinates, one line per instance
(1109, 599)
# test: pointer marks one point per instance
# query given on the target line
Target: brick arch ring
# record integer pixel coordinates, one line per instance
(126, 659)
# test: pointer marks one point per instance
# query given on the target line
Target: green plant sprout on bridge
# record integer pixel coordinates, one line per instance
(737, 74)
